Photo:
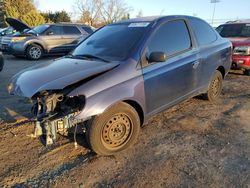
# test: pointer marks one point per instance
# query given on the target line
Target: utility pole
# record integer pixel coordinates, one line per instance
(214, 2)
(162, 11)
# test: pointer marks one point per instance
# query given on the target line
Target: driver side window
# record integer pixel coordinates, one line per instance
(171, 38)
(54, 30)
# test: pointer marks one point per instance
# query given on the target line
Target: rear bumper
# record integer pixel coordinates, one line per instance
(241, 62)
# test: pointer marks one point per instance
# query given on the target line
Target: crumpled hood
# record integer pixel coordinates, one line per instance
(240, 41)
(55, 75)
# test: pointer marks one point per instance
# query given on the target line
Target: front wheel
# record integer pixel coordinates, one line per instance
(34, 52)
(215, 87)
(114, 130)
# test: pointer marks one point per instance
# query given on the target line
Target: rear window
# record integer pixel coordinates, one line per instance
(234, 30)
(87, 29)
(203, 32)
(71, 30)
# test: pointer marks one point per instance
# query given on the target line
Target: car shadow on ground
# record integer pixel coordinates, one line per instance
(10, 114)
(23, 58)
(236, 72)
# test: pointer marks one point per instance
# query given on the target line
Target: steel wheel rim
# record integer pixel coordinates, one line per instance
(117, 131)
(35, 52)
(216, 87)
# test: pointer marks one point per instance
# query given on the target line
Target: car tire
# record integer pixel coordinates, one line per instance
(34, 52)
(114, 130)
(215, 88)
(247, 72)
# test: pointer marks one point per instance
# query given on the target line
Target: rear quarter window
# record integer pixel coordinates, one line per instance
(71, 30)
(87, 29)
(203, 31)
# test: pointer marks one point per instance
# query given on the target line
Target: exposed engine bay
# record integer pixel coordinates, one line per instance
(55, 113)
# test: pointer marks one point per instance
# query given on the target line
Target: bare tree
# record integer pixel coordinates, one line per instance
(89, 10)
(139, 14)
(114, 10)
(104, 11)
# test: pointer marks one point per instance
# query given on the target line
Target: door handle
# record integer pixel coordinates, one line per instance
(196, 64)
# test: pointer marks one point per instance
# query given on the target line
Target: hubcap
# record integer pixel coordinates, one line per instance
(35, 52)
(117, 131)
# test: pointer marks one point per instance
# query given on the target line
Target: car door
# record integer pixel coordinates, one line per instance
(71, 37)
(52, 39)
(175, 79)
(210, 54)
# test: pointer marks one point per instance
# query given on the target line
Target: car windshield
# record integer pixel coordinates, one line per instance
(234, 30)
(39, 29)
(113, 42)
(23, 32)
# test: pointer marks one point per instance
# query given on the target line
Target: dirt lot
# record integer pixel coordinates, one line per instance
(194, 144)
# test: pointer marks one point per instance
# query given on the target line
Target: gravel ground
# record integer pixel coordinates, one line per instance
(194, 144)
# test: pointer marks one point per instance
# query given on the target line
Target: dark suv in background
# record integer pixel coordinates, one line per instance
(45, 39)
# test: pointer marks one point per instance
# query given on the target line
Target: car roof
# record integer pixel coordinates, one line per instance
(68, 24)
(156, 18)
(247, 21)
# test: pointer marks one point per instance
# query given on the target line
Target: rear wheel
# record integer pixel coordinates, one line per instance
(215, 87)
(34, 52)
(247, 72)
(114, 130)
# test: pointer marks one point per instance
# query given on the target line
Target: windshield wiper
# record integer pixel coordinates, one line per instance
(86, 56)
(90, 56)
(32, 32)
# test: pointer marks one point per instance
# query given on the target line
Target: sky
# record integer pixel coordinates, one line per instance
(225, 9)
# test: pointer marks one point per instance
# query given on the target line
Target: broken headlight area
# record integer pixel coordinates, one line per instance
(55, 113)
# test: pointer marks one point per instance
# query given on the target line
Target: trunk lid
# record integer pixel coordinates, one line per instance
(240, 41)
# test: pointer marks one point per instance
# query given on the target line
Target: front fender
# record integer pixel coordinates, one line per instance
(101, 101)
(34, 41)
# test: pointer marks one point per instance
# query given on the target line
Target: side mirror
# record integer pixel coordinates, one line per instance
(157, 57)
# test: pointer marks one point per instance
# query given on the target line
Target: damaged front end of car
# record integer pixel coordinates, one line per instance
(55, 112)
(53, 89)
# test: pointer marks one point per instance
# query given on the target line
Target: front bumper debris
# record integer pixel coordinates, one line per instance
(55, 113)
